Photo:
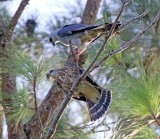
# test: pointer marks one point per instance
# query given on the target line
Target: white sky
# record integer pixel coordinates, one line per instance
(44, 9)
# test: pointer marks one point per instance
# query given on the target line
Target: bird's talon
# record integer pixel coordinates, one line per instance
(68, 95)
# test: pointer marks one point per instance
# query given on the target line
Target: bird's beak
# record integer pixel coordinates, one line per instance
(53, 43)
(48, 75)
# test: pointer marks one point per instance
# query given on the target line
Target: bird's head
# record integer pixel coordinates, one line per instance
(52, 74)
(53, 37)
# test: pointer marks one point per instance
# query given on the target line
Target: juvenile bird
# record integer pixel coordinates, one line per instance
(80, 35)
(98, 99)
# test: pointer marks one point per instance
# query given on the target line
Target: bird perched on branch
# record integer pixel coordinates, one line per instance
(97, 98)
(80, 35)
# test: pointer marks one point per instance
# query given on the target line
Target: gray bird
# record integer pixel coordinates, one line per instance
(98, 99)
(80, 35)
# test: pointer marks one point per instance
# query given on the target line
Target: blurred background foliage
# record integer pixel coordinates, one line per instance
(133, 75)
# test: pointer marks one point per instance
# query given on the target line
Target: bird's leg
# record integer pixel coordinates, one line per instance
(69, 95)
(76, 52)
(81, 52)
(106, 33)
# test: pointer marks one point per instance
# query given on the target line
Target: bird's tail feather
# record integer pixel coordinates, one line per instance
(96, 110)
(106, 26)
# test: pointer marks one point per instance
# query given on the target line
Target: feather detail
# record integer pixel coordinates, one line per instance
(97, 99)
(98, 109)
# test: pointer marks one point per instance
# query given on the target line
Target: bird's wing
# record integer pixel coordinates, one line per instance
(98, 100)
(89, 91)
(89, 87)
(97, 110)
(74, 28)
(89, 78)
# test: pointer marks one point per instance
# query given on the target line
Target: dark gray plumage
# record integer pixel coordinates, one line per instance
(80, 35)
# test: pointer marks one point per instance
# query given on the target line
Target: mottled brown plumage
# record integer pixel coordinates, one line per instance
(97, 98)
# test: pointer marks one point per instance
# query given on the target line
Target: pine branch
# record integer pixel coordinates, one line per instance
(132, 134)
(36, 105)
(155, 118)
(133, 19)
(134, 38)
(66, 100)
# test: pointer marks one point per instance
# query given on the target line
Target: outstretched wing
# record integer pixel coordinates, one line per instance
(97, 110)
(89, 87)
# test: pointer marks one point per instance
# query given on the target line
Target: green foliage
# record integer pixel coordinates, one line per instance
(18, 63)
(22, 65)
(136, 96)
(19, 108)
(128, 129)
(142, 94)
(5, 14)
(112, 44)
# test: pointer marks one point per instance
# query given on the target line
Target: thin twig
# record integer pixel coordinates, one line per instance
(36, 105)
(84, 127)
(155, 118)
(129, 43)
(132, 134)
(65, 101)
(15, 19)
(133, 19)
(98, 131)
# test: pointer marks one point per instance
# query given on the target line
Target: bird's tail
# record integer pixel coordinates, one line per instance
(96, 110)
(106, 27)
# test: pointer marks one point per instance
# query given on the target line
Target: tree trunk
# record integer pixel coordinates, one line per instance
(8, 88)
(8, 80)
(90, 12)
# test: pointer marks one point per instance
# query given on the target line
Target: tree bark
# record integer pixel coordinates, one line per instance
(90, 12)
(8, 83)
(1, 120)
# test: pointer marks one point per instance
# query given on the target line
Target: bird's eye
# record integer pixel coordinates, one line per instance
(50, 39)
(51, 71)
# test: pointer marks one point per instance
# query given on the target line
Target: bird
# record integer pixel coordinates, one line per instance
(80, 35)
(98, 99)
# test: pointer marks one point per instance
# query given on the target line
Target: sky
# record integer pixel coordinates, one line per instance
(44, 9)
